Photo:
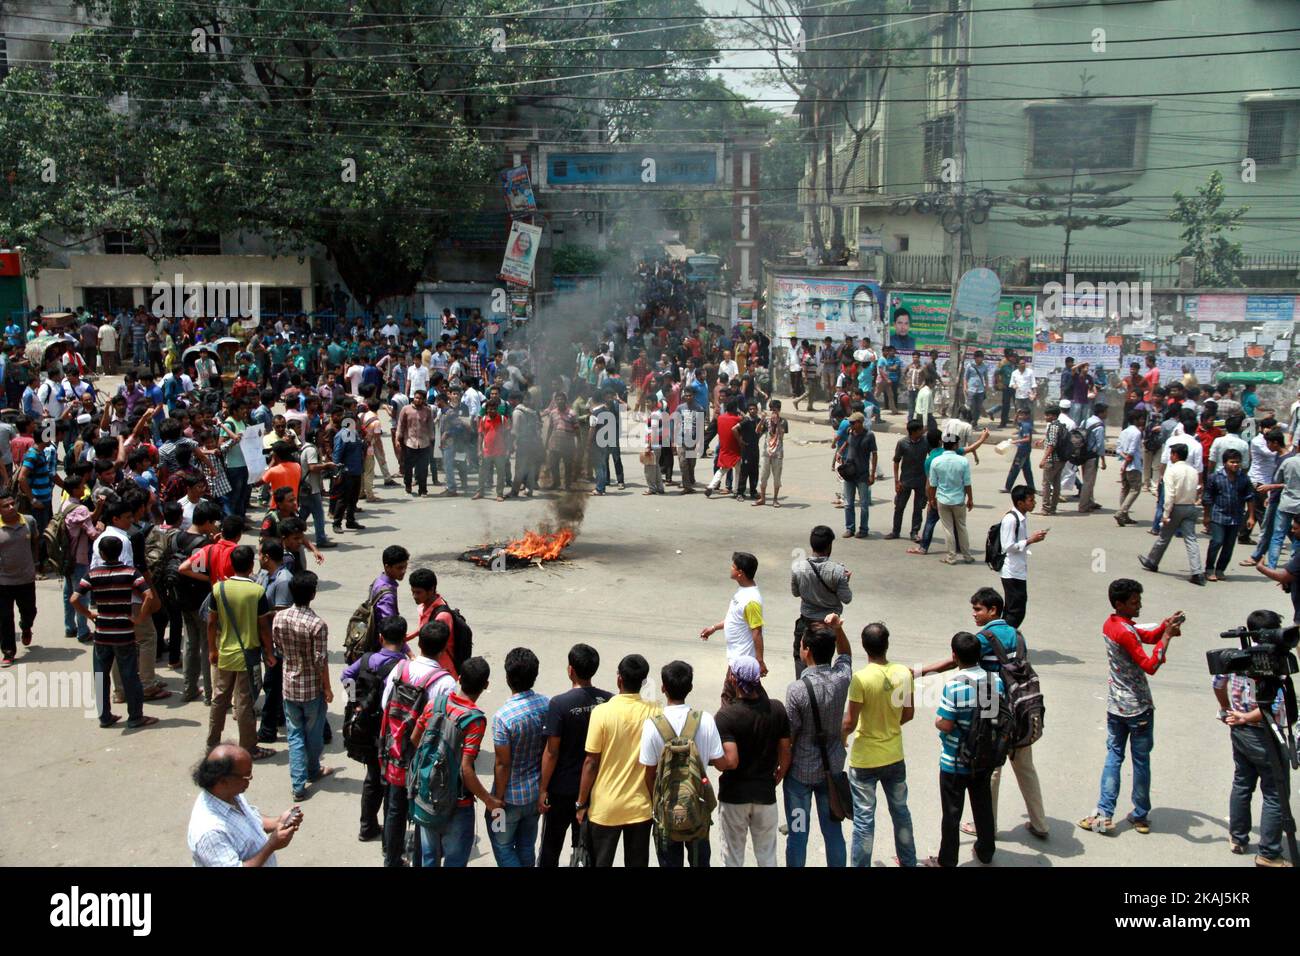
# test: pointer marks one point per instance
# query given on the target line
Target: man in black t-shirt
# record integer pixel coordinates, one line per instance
(755, 731)
(747, 430)
(565, 730)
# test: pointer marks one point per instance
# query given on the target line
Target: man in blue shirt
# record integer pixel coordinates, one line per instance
(977, 383)
(971, 688)
(949, 491)
(350, 455)
(893, 368)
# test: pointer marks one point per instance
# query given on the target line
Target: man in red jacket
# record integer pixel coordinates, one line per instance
(729, 458)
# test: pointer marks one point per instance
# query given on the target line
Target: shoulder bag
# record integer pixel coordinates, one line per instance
(841, 797)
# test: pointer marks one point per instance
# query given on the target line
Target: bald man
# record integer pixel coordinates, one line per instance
(225, 830)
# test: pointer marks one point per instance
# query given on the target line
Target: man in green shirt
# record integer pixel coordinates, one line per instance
(239, 637)
(880, 702)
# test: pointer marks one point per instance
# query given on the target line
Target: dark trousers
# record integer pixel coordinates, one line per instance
(1223, 538)
(1020, 465)
(674, 855)
(1252, 764)
(636, 844)
(953, 788)
(666, 463)
(175, 635)
(688, 471)
(345, 506)
(749, 473)
(24, 595)
(127, 657)
(415, 466)
(1007, 395)
(273, 706)
(555, 827)
(1015, 594)
(374, 796)
(900, 505)
(394, 839)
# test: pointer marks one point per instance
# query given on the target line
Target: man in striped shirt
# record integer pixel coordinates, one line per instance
(518, 740)
(113, 585)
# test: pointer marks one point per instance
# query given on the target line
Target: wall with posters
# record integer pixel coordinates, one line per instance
(813, 307)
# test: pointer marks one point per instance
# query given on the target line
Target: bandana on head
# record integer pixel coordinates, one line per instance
(747, 673)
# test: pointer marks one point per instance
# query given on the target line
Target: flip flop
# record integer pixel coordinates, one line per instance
(158, 693)
(969, 829)
(146, 722)
(775, 503)
(921, 551)
(261, 753)
(324, 772)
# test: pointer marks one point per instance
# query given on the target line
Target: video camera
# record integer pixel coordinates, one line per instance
(1264, 655)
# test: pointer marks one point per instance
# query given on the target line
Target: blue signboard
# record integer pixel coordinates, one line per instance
(631, 167)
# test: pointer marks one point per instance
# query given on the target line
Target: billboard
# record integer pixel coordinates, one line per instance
(918, 321)
(623, 167)
(518, 188)
(521, 253)
(808, 307)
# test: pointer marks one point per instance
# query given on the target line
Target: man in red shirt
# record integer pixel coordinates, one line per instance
(451, 844)
(1150, 379)
(434, 607)
(494, 429)
(729, 457)
(211, 563)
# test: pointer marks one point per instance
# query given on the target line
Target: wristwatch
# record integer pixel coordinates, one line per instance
(580, 805)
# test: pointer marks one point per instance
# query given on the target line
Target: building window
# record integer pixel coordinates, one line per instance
(938, 147)
(108, 299)
(1266, 137)
(1087, 137)
(904, 242)
(286, 301)
(117, 243)
(195, 243)
(4, 56)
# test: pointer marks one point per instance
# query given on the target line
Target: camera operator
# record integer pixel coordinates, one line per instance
(1250, 757)
(1286, 577)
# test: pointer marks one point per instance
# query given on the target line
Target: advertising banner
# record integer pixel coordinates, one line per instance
(975, 312)
(521, 253)
(812, 308)
(1050, 357)
(918, 321)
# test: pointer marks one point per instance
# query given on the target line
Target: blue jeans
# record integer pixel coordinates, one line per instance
(1251, 765)
(313, 506)
(856, 491)
(600, 458)
(1281, 531)
(74, 621)
(927, 533)
(513, 832)
(1266, 528)
(237, 500)
(449, 466)
(893, 779)
(1139, 733)
(304, 725)
(449, 847)
(976, 407)
(1021, 463)
(798, 807)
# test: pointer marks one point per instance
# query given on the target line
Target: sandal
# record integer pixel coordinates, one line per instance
(917, 550)
(947, 560)
(324, 772)
(1097, 824)
(261, 753)
(1246, 563)
(775, 503)
(1237, 848)
(931, 861)
(157, 693)
(142, 722)
(968, 829)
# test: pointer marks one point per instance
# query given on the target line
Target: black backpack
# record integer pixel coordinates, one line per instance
(1152, 439)
(1024, 695)
(989, 740)
(363, 716)
(175, 589)
(1073, 447)
(462, 635)
(994, 556)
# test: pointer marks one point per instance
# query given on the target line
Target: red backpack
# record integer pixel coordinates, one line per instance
(405, 704)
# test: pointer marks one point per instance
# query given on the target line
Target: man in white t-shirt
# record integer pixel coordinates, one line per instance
(728, 366)
(417, 378)
(389, 330)
(353, 375)
(743, 625)
(678, 679)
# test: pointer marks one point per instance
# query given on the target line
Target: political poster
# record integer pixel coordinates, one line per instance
(918, 321)
(809, 307)
(518, 189)
(974, 313)
(1049, 357)
(1171, 366)
(521, 253)
(519, 307)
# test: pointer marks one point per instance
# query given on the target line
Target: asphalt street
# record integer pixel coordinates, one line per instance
(644, 575)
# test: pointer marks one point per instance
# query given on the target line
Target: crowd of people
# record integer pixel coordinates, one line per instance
(144, 499)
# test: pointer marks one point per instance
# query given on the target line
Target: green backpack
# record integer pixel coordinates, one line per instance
(433, 778)
(58, 546)
(683, 801)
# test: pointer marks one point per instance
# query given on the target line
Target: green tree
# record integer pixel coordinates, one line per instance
(1204, 221)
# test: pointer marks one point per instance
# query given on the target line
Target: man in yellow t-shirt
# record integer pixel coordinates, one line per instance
(240, 622)
(880, 702)
(613, 791)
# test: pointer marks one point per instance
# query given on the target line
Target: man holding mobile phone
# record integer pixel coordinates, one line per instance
(1130, 710)
(1016, 539)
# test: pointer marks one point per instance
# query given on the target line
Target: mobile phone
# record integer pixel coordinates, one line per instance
(1179, 618)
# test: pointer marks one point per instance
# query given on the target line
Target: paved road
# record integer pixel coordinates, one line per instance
(645, 574)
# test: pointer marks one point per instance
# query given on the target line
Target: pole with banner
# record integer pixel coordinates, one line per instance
(972, 318)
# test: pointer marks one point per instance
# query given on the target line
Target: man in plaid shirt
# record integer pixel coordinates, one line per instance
(1228, 495)
(300, 636)
(519, 741)
(475, 362)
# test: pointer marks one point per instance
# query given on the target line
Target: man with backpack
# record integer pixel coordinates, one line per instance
(445, 743)
(968, 698)
(565, 730)
(364, 680)
(406, 692)
(434, 607)
(518, 741)
(73, 529)
(1092, 455)
(1014, 540)
(383, 589)
(675, 746)
(1053, 461)
(183, 594)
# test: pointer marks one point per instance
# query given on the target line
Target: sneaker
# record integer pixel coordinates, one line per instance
(368, 835)
(1146, 563)
(849, 532)
(356, 527)
(8, 661)
(862, 534)
(27, 637)
(1273, 861)
(299, 796)
(327, 544)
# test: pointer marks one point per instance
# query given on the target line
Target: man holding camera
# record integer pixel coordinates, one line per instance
(1240, 710)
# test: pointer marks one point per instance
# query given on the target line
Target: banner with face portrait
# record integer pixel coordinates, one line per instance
(521, 253)
(918, 322)
(812, 308)
(518, 189)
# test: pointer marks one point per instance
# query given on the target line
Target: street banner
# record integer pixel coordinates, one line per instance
(918, 322)
(521, 253)
(518, 189)
(1050, 357)
(974, 313)
(812, 308)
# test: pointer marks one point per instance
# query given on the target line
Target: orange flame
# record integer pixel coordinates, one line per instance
(546, 547)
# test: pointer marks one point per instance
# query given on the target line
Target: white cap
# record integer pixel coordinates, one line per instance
(1065, 403)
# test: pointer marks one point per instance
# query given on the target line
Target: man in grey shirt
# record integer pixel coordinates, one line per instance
(825, 686)
(820, 584)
